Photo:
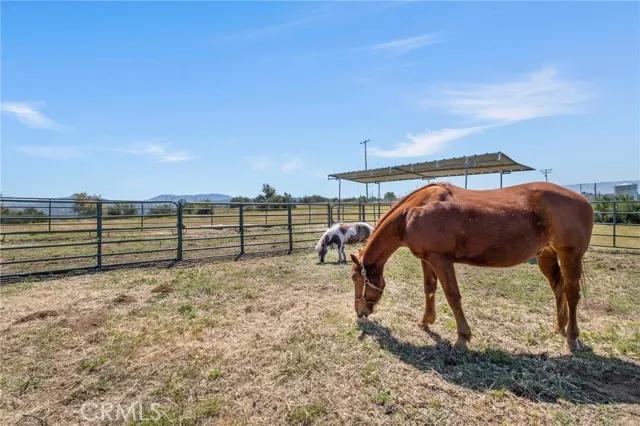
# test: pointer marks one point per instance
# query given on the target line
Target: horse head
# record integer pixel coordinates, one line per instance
(368, 285)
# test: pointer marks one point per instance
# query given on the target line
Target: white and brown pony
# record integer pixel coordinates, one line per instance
(341, 234)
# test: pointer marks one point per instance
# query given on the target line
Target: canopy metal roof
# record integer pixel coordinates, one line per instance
(496, 162)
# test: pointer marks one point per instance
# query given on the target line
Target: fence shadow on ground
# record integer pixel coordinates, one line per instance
(585, 378)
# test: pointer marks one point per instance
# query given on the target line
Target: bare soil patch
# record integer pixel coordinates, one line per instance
(37, 316)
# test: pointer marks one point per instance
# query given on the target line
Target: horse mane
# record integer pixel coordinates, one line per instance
(389, 212)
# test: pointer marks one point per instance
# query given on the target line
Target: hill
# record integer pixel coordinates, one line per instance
(192, 198)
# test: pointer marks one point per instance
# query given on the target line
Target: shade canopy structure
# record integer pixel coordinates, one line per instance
(496, 162)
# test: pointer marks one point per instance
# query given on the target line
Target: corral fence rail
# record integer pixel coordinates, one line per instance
(41, 235)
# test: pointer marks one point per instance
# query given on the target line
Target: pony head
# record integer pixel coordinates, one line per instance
(321, 247)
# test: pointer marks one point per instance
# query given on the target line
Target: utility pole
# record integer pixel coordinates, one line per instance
(365, 142)
(546, 173)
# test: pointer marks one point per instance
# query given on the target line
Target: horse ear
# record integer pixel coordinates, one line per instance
(355, 259)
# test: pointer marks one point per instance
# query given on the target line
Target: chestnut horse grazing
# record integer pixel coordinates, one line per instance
(443, 224)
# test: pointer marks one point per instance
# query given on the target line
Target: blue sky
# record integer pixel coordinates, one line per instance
(131, 100)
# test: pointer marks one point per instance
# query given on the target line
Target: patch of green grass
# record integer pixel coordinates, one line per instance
(370, 374)
(214, 373)
(162, 416)
(208, 408)
(499, 393)
(612, 337)
(172, 389)
(306, 414)
(498, 357)
(382, 397)
(91, 364)
(188, 311)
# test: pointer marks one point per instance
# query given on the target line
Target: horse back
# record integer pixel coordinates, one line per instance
(498, 227)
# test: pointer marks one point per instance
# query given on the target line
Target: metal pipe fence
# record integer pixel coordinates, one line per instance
(39, 236)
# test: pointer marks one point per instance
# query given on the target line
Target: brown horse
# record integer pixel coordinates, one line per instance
(443, 224)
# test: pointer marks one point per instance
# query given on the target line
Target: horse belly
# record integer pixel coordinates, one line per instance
(501, 241)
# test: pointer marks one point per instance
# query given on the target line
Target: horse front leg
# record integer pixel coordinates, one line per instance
(342, 257)
(443, 267)
(430, 286)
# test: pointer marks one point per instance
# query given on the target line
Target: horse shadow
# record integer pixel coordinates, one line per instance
(583, 378)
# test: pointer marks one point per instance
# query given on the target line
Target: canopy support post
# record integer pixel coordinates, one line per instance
(339, 198)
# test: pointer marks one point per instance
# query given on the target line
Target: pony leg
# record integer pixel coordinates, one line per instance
(430, 285)
(571, 268)
(342, 257)
(548, 264)
(445, 272)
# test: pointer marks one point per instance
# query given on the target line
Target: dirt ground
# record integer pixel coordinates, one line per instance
(275, 341)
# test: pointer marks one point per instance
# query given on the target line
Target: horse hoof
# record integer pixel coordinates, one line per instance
(562, 331)
(423, 325)
(576, 346)
(461, 344)
(428, 319)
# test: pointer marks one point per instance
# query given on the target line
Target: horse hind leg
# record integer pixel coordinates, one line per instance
(571, 268)
(430, 286)
(548, 264)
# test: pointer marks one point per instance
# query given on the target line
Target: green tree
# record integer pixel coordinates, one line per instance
(121, 209)
(27, 215)
(389, 196)
(162, 209)
(268, 191)
(85, 204)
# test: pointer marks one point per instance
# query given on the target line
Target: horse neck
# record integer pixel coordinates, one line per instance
(382, 244)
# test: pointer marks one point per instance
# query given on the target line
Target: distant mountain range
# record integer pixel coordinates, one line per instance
(192, 198)
(62, 205)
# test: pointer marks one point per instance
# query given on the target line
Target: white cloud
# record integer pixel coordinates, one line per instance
(426, 143)
(404, 45)
(159, 152)
(50, 152)
(291, 165)
(535, 95)
(538, 94)
(28, 114)
(260, 163)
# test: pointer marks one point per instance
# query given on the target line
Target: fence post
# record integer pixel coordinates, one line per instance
(241, 224)
(290, 222)
(49, 214)
(211, 215)
(615, 213)
(329, 218)
(179, 225)
(99, 234)
(142, 216)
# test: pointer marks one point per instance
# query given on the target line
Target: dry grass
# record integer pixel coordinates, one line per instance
(274, 341)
